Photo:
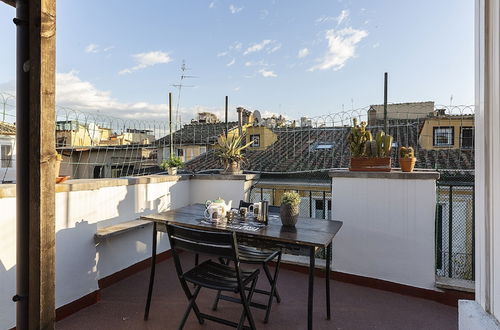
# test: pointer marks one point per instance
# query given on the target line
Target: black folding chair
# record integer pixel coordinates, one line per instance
(251, 255)
(212, 275)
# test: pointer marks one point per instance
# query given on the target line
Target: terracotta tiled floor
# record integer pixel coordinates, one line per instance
(353, 307)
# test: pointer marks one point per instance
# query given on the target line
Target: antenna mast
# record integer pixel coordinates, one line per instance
(179, 86)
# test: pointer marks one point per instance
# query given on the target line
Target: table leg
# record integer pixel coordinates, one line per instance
(328, 261)
(311, 288)
(152, 275)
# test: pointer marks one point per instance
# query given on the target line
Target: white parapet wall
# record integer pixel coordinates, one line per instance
(83, 207)
(388, 225)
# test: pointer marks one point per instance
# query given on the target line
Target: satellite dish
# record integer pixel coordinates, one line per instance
(257, 118)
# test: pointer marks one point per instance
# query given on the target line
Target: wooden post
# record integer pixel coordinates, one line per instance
(35, 188)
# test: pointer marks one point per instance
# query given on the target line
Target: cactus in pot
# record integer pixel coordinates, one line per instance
(368, 153)
(358, 138)
(407, 159)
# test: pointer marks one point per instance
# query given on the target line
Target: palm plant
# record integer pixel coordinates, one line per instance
(229, 151)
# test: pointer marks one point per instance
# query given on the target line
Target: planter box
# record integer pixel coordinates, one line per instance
(364, 164)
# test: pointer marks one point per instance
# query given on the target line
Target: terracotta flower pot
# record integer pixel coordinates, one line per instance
(172, 171)
(407, 164)
(232, 168)
(366, 164)
(289, 214)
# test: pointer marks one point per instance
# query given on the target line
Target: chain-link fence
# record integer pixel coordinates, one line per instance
(455, 225)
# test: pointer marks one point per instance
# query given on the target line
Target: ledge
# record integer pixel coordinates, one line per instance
(246, 177)
(419, 174)
(121, 228)
(9, 190)
(94, 184)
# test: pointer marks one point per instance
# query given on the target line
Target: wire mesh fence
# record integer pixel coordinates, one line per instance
(301, 151)
(455, 225)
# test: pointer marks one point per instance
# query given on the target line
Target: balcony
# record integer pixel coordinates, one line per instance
(387, 282)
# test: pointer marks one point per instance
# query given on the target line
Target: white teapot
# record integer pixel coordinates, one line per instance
(221, 204)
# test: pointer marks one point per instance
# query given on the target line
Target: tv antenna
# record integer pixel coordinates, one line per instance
(179, 87)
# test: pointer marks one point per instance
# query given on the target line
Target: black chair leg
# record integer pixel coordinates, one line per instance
(190, 306)
(273, 279)
(246, 307)
(274, 292)
(189, 296)
(216, 302)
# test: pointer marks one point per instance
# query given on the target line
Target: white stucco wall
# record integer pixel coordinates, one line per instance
(388, 229)
(236, 188)
(82, 207)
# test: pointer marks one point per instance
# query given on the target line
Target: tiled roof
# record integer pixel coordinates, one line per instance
(197, 133)
(7, 128)
(295, 151)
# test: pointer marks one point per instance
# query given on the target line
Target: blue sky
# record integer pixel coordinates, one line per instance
(284, 56)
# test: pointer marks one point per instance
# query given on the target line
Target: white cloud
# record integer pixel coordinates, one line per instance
(232, 62)
(77, 94)
(257, 47)
(211, 5)
(376, 45)
(234, 10)
(145, 60)
(341, 47)
(275, 48)
(107, 49)
(344, 14)
(92, 48)
(303, 53)
(267, 73)
(259, 63)
(236, 89)
(264, 13)
(221, 54)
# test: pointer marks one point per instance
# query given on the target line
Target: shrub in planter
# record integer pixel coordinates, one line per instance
(289, 209)
(172, 164)
(407, 159)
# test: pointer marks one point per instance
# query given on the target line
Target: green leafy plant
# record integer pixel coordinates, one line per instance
(290, 198)
(173, 161)
(230, 149)
(406, 152)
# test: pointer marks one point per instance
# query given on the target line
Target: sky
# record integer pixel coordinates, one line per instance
(291, 57)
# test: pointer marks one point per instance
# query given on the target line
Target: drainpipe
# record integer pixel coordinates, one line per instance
(22, 169)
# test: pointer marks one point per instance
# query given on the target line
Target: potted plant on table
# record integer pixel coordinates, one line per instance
(229, 151)
(407, 159)
(172, 164)
(368, 154)
(289, 209)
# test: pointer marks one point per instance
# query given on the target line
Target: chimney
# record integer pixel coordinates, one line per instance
(240, 119)
(372, 117)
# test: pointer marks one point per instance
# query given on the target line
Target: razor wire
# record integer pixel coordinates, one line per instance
(96, 145)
